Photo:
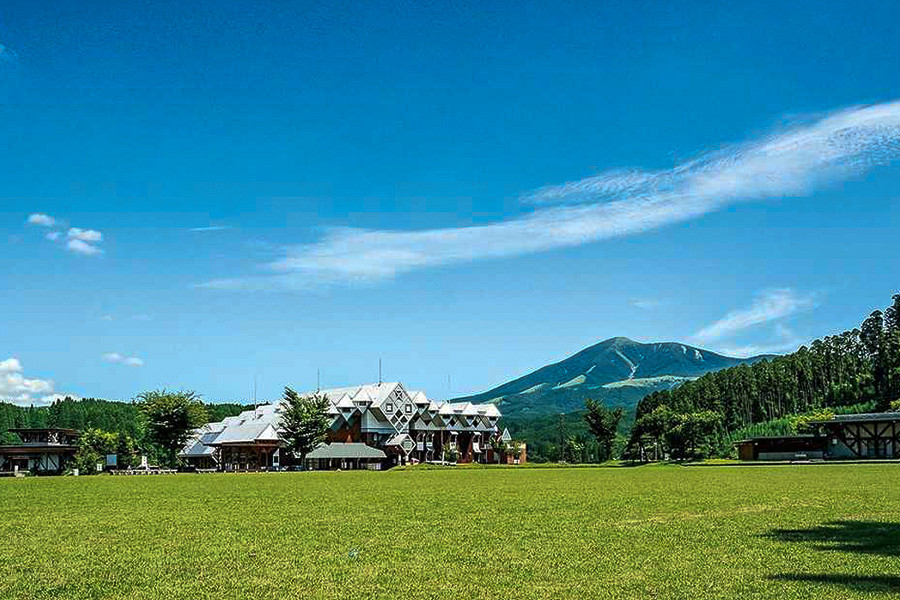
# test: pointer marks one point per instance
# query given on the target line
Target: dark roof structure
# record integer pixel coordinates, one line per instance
(345, 451)
(63, 430)
(860, 418)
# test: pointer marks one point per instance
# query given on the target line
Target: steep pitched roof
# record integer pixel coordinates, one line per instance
(250, 432)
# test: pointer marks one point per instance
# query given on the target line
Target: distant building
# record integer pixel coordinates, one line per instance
(860, 436)
(784, 447)
(372, 426)
(46, 451)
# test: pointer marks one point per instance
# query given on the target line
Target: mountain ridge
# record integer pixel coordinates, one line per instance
(618, 371)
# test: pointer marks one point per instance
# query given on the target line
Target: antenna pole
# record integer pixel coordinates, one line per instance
(379, 371)
(318, 379)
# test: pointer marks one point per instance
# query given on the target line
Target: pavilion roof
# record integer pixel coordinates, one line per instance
(346, 450)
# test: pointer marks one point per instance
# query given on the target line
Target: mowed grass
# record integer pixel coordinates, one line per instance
(648, 532)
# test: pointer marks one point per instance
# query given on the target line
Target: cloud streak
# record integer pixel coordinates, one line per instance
(782, 340)
(768, 306)
(210, 228)
(792, 162)
(646, 303)
(116, 358)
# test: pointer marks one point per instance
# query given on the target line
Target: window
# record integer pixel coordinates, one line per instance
(408, 408)
(389, 407)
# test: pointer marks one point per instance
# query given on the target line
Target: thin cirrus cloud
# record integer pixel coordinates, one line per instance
(768, 306)
(792, 162)
(116, 358)
(783, 340)
(210, 228)
(85, 242)
(646, 303)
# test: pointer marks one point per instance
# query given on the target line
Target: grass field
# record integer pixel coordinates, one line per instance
(648, 532)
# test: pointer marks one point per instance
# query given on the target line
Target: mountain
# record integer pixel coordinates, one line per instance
(618, 371)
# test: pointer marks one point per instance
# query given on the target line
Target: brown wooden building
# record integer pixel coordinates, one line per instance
(861, 436)
(842, 437)
(782, 447)
(44, 451)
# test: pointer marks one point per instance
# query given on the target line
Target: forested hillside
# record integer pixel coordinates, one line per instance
(854, 367)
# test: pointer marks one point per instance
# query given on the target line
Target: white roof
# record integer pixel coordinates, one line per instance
(258, 431)
(261, 423)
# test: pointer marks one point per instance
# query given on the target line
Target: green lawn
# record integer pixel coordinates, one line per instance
(648, 532)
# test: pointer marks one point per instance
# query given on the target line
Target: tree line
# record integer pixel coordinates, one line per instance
(856, 367)
(156, 424)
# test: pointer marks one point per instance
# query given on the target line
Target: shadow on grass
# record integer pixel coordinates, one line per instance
(860, 537)
(857, 537)
(857, 583)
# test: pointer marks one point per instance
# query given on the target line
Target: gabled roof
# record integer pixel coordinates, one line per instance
(250, 432)
(397, 439)
(197, 450)
(346, 450)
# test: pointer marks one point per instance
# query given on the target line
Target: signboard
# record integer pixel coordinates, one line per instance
(143, 462)
(408, 445)
(112, 460)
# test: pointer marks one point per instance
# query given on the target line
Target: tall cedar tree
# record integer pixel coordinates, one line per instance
(171, 417)
(603, 423)
(304, 422)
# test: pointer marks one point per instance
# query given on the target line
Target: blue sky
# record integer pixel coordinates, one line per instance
(197, 194)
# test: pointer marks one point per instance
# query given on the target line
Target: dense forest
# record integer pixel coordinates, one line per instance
(91, 413)
(858, 367)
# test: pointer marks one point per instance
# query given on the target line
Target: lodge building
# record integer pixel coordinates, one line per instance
(373, 426)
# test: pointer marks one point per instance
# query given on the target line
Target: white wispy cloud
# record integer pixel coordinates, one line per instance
(117, 358)
(75, 239)
(782, 340)
(768, 306)
(210, 228)
(792, 162)
(85, 235)
(82, 247)
(41, 220)
(84, 241)
(17, 389)
(646, 303)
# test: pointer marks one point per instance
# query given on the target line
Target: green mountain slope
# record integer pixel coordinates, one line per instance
(618, 371)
